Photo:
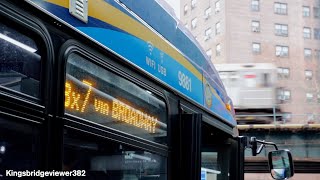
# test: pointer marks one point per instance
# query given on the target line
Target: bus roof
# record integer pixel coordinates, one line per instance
(154, 41)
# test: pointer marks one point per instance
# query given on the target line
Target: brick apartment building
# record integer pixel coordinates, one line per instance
(283, 32)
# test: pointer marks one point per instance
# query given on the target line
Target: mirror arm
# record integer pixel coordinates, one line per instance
(268, 143)
(260, 149)
(254, 145)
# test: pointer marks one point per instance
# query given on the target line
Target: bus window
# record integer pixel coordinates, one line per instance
(215, 163)
(19, 147)
(103, 97)
(105, 159)
(19, 62)
(215, 154)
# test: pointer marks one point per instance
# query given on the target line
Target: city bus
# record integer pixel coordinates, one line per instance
(112, 89)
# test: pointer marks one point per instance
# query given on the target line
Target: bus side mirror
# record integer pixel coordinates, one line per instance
(281, 164)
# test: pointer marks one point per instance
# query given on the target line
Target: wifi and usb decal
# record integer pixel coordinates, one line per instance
(155, 59)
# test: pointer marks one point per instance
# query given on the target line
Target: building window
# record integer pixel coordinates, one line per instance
(280, 8)
(208, 33)
(306, 11)
(209, 53)
(185, 9)
(283, 95)
(282, 51)
(255, 5)
(316, 12)
(194, 23)
(255, 25)
(308, 74)
(218, 28)
(283, 73)
(309, 97)
(287, 95)
(307, 33)
(193, 3)
(217, 8)
(207, 13)
(218, 50)
(307, 53)
(316, 32)
(256, 48)
(281, 29)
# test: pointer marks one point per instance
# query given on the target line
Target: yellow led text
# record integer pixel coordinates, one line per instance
(71, 98)
(129, 115)
(84, 103)
(87, 95)
(102, 107)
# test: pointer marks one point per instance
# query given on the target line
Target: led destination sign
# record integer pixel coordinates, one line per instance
(101, 96)
(86, 99)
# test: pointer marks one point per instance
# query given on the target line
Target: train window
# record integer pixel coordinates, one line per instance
(250, 79)
(19, 62)
(19, 147)
(234, 77)
(229, 79)
(103, 97)
(266, 80)
(105, 159)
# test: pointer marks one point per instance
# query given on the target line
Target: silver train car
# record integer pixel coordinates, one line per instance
(252, 88)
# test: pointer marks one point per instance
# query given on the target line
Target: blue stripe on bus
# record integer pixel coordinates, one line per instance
(140, 52)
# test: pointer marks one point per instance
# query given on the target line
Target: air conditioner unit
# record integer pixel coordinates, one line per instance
(255, 29)
(206, 16)
(282, 54)
(193, 4)
(207, 37)
(282, 98)
(217, 11)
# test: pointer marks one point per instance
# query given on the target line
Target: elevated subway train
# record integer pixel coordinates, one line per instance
(252, 88)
